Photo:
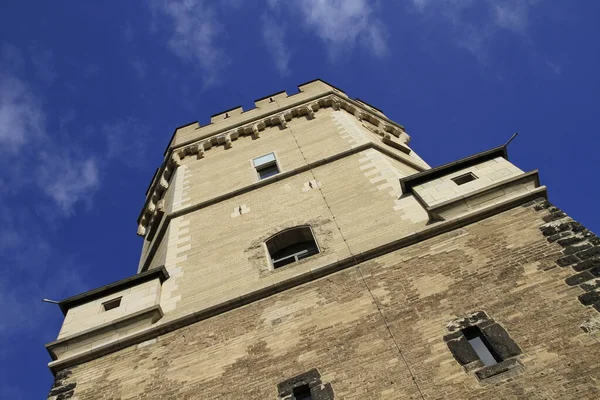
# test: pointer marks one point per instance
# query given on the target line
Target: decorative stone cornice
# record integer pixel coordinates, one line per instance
(151, 214)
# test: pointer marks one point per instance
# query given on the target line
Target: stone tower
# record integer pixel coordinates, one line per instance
(302, 250)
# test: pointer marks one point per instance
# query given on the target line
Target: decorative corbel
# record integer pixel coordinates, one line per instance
(183, 152)
(151, 207)
(335, 104)
(141, 231)
(163, 182)
(255, 131)
(176, 159)
(391, 129)
(309, 112)
(282, 121)
(193, 149)
(227, 140)
(404, 138)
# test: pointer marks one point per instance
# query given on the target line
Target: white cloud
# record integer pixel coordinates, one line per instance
(21, 117)
(274, 37)
(555, 68)
(474, 34)
(28, 155)
(512, 15)
(127, 142)
(68, 179)
(341, 24)
(193, 31)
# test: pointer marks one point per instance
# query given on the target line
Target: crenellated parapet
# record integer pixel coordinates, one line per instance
(376, 122)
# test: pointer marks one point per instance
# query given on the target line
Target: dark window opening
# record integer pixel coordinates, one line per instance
(266, 166)
(267, 171)
(302, 393)
(461, 180)
(109, 305)
(482, 347)
(291, 245)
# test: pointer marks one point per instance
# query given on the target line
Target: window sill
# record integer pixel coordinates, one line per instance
(511, 365)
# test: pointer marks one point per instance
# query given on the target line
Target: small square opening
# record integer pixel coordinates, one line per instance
(111, 304)
(266, 166)
(461, 180)
(302, 393)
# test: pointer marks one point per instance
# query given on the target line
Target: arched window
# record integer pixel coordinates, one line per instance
(291, 245)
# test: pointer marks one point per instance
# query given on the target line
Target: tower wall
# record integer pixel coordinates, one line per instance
(413, 263)
(377, 329)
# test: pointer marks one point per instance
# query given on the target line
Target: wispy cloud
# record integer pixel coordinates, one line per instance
(68, 179)
(273, 33)
(475, 34)
(139, 67)
(126, 141)
(45, 173)
(193, 31)
(21, 117)
(342, 24)
(26, 147)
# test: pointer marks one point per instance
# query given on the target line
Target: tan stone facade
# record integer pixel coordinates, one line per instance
(405, 252)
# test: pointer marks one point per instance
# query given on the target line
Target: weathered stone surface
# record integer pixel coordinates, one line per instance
(497, 369)
(579, 278)
(462, 350)
(594, 252)
(587, 264)
(341, 326)
(590, 285)
(63, 388)
(589, 298)
(566, 261)
(501, 342)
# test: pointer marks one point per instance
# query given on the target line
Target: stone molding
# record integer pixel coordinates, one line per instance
(407, 184)
(382, 127)
(438, 212)
(271, 289)
(135, 320)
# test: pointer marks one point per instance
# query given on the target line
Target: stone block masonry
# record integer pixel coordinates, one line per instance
(377, 330)
(390, 275)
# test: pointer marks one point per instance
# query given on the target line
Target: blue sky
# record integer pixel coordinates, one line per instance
(91, 92)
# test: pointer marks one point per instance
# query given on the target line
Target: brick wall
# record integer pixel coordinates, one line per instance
(376, 330)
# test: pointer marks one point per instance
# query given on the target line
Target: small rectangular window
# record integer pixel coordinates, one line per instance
(479, 343)
(302, 393)
(266, 165)
(109, 305)
(461, 180)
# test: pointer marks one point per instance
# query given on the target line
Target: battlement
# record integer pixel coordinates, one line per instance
(265, 105)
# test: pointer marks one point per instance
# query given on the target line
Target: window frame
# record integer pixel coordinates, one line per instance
(495, 338)
(274, 162)
(270, 259)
